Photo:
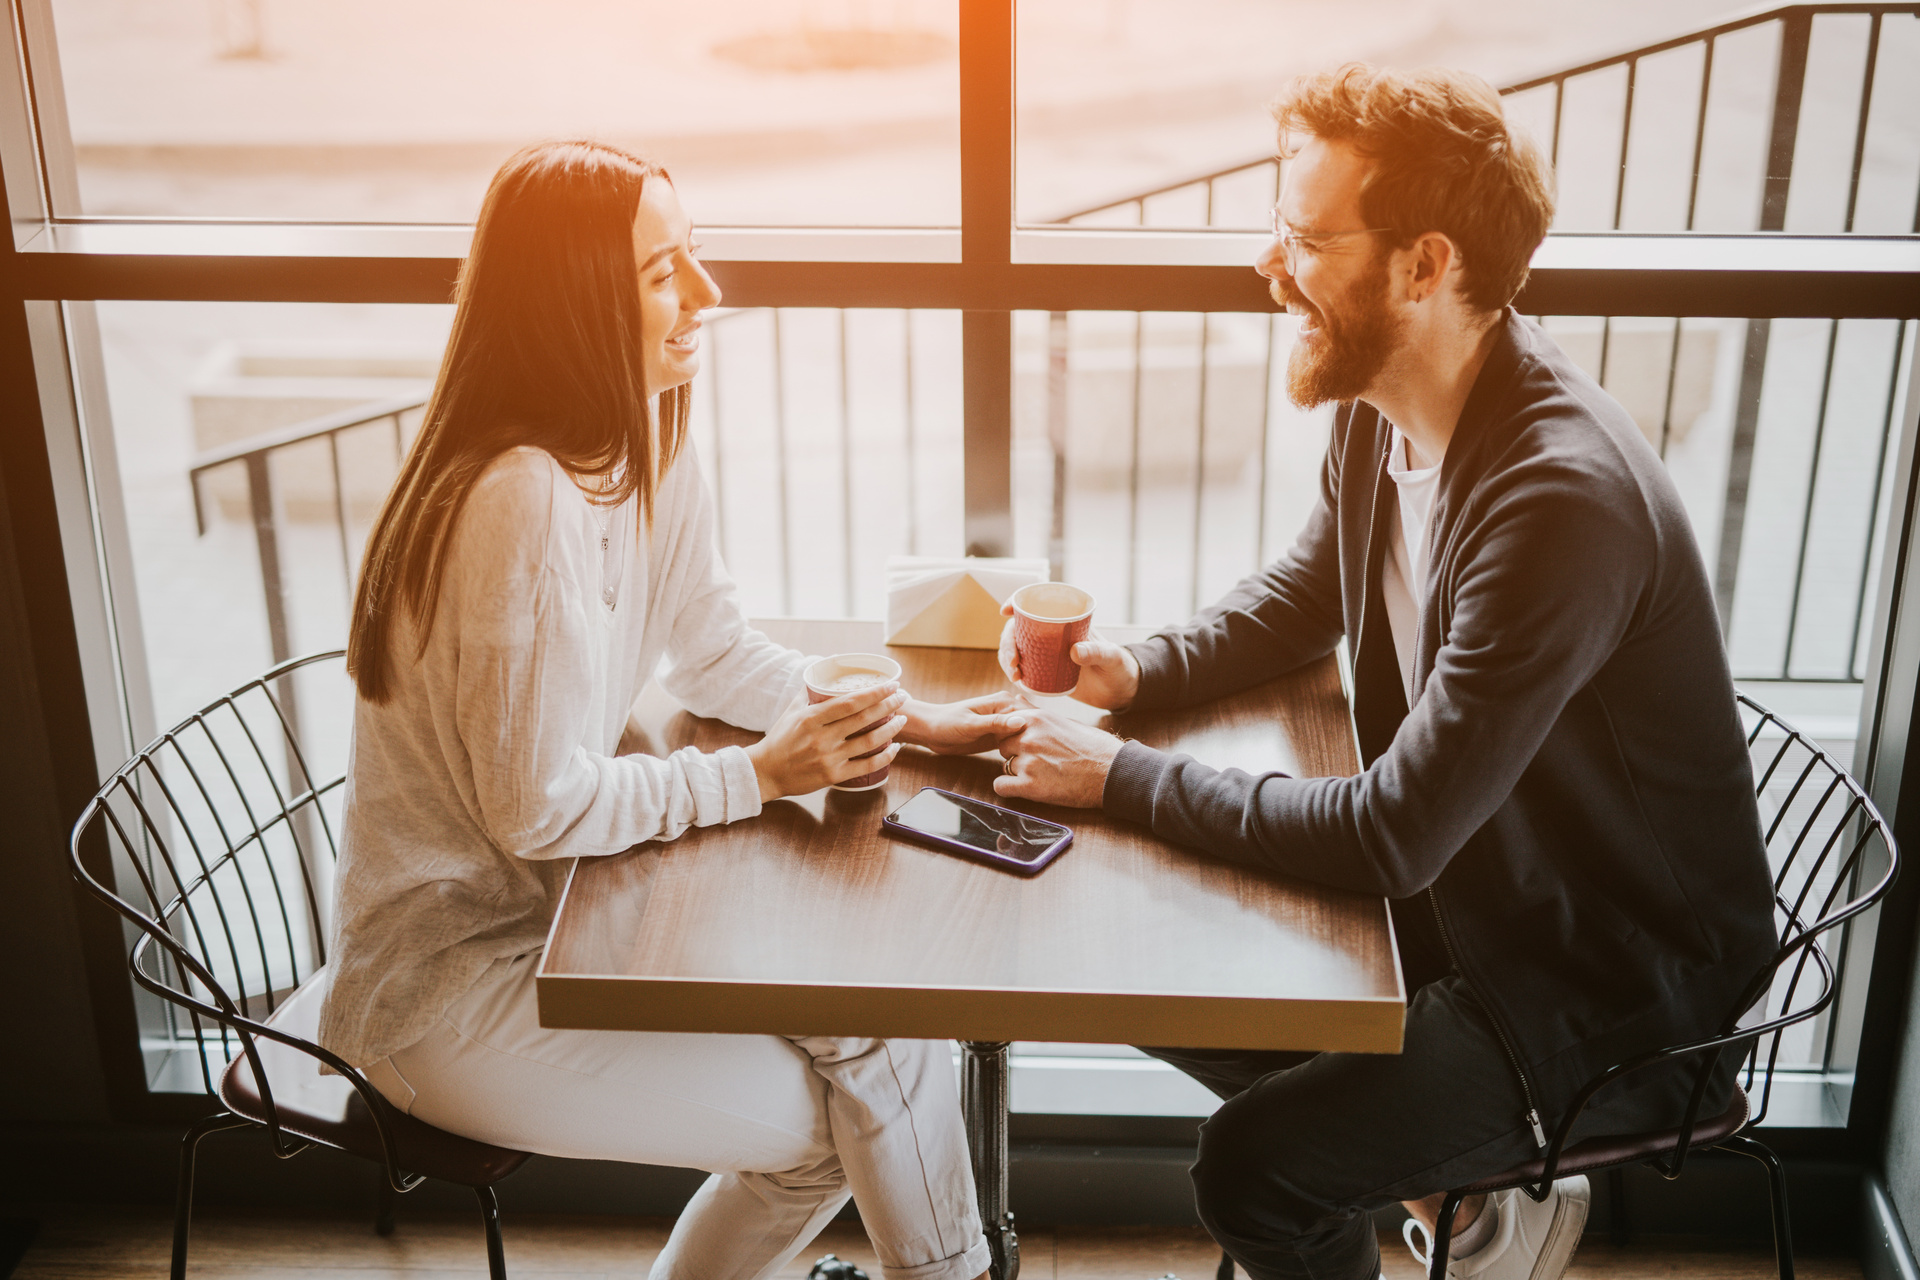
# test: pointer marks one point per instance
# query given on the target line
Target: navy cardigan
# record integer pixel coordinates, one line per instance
(1566, 817)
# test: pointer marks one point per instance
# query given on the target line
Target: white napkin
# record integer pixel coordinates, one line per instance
(953, 602)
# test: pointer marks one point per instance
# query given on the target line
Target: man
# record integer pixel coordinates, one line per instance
(1556, 793)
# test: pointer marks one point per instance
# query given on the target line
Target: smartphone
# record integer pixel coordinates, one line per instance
(978, 830)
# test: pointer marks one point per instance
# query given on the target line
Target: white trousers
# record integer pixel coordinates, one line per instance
(789, 1127)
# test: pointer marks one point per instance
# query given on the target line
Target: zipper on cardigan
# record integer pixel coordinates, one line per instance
(1513, 1059)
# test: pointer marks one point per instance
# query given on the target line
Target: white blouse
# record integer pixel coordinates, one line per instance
(494, 762)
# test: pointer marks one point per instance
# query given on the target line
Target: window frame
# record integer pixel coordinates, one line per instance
(56, 262)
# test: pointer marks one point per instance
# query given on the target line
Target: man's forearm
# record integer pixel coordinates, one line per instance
(1225, 650)
(1304, 827)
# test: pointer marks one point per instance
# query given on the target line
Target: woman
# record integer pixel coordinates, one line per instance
(548, 541)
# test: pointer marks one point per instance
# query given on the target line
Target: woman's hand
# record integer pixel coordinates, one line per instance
(809, 746)
(1109, 673)
(962, 728)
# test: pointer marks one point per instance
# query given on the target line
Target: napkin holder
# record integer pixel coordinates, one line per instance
(953, 602)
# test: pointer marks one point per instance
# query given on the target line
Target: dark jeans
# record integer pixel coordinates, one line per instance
(1306, 1145)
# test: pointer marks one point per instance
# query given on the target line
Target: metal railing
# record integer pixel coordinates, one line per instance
(1793, 29)
(256, 454)
(255, 458)
(1059, 400)
(1159, 469)
(781, 420)
(1792, 529)
(1796, 29)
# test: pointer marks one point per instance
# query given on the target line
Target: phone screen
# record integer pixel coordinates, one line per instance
(979, 825)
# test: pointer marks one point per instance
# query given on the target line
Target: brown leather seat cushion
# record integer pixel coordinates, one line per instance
(326, 1109)
(1604, 1153)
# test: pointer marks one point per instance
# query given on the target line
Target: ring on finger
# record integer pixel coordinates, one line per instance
(1007, 768)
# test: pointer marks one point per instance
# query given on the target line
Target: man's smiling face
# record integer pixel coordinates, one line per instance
(1334, 277)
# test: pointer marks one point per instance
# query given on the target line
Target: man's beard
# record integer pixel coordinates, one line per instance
(1352, 347)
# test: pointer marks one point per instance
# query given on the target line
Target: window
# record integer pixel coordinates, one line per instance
(836, 113)
(1120, 97)
(1095, 381)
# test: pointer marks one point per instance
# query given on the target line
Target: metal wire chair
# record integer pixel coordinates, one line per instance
(1812, 810)
(228, 830)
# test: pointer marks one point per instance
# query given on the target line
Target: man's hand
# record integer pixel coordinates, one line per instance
(963, 728)
(1057, 760)
(1109, 673)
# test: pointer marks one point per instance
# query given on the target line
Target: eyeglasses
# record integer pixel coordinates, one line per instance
(1293, 243)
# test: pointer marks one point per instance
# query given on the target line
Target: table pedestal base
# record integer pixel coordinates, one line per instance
(983, 1100)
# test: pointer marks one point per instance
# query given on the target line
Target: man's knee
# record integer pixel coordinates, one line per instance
(1239, 1188)
(1247, 1186)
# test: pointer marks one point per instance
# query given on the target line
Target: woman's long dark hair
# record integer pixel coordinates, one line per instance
(545, 351)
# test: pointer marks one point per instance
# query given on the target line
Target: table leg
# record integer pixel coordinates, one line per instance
(983, 1099)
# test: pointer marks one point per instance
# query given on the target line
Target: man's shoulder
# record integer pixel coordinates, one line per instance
(1549, 385)
(1543, 452)
(1554, 420)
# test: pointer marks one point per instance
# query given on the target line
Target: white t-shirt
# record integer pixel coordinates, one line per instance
(1403, 573)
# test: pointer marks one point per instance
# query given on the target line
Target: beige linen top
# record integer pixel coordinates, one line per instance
(494, 763)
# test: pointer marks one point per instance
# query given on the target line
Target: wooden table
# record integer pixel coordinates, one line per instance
(807, 920)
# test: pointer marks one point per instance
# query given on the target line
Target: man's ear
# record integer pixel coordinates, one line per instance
(1435, 262)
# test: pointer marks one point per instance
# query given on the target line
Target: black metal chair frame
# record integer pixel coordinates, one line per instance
(175, 945)
(1800, 946)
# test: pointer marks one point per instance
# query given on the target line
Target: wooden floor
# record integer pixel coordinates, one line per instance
(108, 1244)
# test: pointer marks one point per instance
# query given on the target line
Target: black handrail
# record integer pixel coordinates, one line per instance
(1796, 20)
(1740, 22)
(1796, 23)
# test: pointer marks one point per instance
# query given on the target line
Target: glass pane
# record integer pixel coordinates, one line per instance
(1158, 460)
(828, 437)
(835, 112)
(185, 379)
(1185, 467)
(830, 440)
(1152, 113)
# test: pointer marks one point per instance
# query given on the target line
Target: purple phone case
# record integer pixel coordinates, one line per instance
(1015, 865)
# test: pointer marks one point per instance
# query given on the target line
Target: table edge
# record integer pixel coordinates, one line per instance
(1363, 1024)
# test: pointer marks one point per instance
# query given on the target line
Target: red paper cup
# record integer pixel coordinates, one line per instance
(849, 673)
(1049, 618)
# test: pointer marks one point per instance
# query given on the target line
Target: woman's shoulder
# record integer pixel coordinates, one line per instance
(683, 482)
(512, 504)
(523, 479)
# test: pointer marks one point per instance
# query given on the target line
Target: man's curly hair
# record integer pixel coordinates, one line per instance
(1444, 160)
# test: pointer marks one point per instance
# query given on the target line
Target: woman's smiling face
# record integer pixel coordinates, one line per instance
(674, 288)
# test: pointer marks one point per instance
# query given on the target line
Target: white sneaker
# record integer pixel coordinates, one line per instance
(1532, 1240)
